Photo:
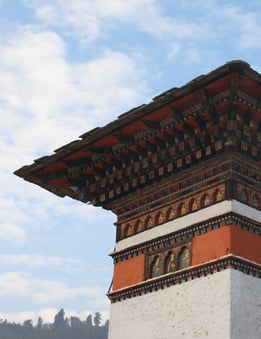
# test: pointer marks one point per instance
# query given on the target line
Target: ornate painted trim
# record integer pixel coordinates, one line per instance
(167, 260)
(187, 203)
(160, 193)
(185, 275)
(184, 235)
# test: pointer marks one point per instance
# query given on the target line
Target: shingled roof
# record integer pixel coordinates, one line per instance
(108, 162)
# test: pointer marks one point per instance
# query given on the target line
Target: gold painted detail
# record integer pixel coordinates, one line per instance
(185, 235)
(184, 183)
(167, 261)
(182, 276)
(173, 211)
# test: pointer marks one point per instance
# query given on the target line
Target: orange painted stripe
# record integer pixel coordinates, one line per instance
(128, 272)
(205, 247)
(226, 240)
(246, 244)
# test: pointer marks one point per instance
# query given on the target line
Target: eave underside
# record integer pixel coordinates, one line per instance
(219, 112)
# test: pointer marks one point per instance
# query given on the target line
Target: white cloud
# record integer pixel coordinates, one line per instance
(12, 233)
(247, 24)
(38, 261)
(90, 20)
(14, 284)
(48, 99)
(87, 18)
(174, 50)
(47, 314)
(43, 291)
(186, 31)
(192, 26)
(49, 291)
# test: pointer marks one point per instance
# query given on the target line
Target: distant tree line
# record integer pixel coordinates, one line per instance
(61, 328)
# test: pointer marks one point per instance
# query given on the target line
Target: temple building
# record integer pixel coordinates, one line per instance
(183, 176)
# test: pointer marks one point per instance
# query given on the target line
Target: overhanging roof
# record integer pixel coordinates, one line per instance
(108, 162)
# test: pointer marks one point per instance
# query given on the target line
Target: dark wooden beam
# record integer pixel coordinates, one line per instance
(160, 142)
(214, 115)
(116, 163)
(188, 129)
(125, 159)
(101, 150)
(142, 151)
(151, 147)
(107, 167)
(232, 111)
(84, 161)
(201, 123)
(154, 125)
(203, 98)
(124, 138)
(176, 113)
(247, 117)
(133, 155)
(178, 134)
(87, 177)
(56, 174)
(99, 172)
(169, 138)
(79, 183)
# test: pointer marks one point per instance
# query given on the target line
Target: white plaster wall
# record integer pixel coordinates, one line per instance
(245, 210)
(199, 308)
(246, 306)
(188, 220)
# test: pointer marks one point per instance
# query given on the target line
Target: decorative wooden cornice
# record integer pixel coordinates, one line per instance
(220, 169)
(215, 113)
(186, 234)
(187, 274)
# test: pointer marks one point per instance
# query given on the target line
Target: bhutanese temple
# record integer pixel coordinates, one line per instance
(182, 174)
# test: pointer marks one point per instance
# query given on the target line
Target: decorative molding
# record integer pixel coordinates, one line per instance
(186, 234)
(180, 128)
(187, 274)
(187, 200)
(219, 168)
(173, 209)
(166, 260)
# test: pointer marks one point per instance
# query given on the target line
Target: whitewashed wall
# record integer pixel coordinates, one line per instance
(198, 308)
(246, 306)
(225, 305)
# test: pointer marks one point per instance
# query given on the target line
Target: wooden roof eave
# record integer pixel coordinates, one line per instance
(89, 138)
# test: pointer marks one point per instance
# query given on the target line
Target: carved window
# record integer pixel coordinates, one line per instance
(170, 263)
(159, 218)
(130, 230)
(183, 258)
(156, 267)
(138, 226)
(193, 205)
(149, 222)
(181, 209)
(168, 260)
(170, 214)
(205, 200)
(217, 196)
(244, 195)
(255, 201)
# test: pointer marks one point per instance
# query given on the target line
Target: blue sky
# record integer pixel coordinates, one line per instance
(65, 68)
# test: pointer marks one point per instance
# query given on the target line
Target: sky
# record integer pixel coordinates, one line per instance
(65, 68)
